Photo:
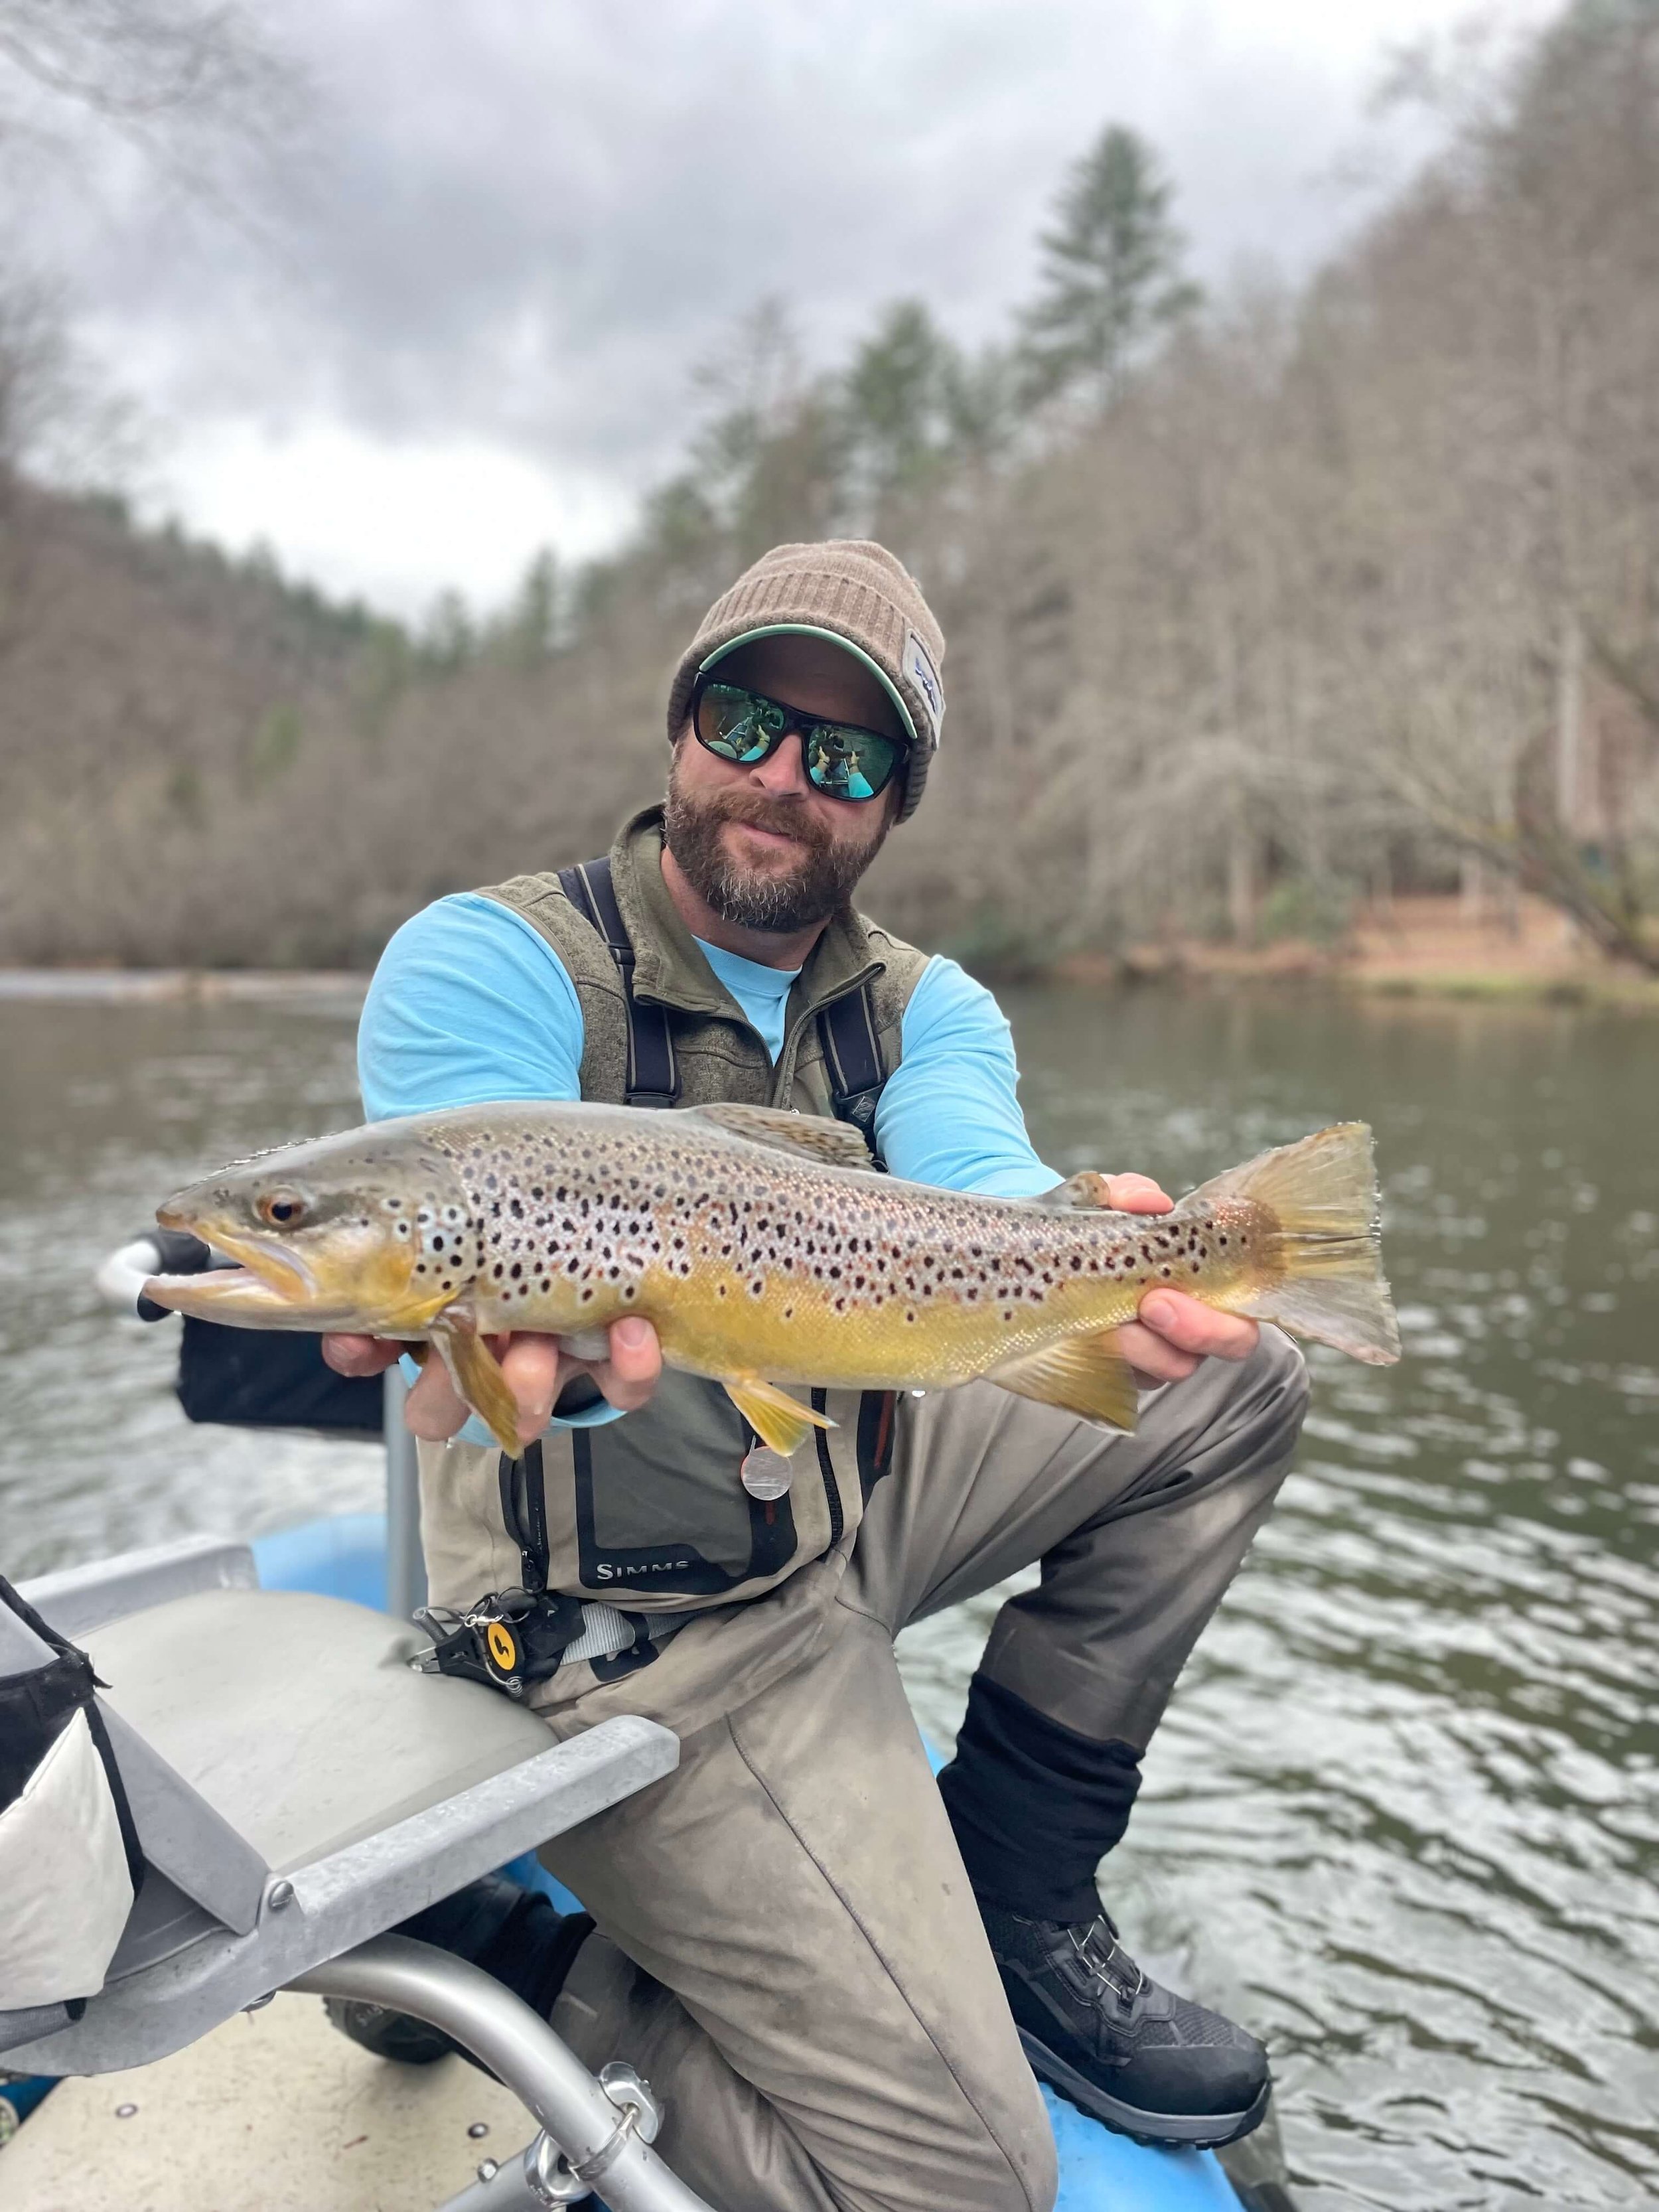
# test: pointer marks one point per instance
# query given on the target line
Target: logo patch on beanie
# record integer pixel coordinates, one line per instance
(923, 674)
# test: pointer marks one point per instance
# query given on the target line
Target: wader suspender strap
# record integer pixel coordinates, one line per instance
(652, 1078)
(846, 1028)
(510, 1637)
(852, 1060)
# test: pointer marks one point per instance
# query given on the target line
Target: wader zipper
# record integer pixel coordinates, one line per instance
(826, 1470)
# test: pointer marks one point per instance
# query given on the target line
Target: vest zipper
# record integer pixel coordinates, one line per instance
(783, 1074)
(827, 1472)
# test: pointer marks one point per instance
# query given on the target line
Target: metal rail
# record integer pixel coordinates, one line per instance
(405, 1563)
(522, 2052)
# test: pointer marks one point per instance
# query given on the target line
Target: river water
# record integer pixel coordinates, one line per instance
(1402, 1815)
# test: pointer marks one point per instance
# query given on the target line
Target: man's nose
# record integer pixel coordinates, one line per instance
(783, 774)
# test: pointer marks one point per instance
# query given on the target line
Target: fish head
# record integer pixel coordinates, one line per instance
(369, 1230)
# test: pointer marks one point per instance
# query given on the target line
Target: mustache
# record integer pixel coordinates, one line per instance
(786, 817)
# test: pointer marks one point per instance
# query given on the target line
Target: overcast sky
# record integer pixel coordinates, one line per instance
(516, 226)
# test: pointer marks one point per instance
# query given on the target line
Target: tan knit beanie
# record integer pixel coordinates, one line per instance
(850, 589)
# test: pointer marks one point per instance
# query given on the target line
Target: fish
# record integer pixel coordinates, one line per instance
(766, 1251)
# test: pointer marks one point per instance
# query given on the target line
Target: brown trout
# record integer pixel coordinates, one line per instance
(764, 1255)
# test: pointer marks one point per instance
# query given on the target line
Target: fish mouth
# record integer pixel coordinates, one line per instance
(268, 1281)
(272, 1286)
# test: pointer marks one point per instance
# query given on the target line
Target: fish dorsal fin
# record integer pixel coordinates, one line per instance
(1090, 1192)
(781, 1422)
(814, 1136)
(1085, 1375)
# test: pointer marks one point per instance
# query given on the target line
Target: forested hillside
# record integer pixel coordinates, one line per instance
(1255, 603)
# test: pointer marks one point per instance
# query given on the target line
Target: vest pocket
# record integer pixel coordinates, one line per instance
(660, 1503)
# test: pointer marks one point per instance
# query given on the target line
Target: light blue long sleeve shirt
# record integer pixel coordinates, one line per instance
(470, 1004)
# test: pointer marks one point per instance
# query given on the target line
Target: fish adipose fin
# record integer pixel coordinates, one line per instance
(477, 1373)
(813, 1136)
(1085, 1375)
(1323, 1252)
(1088, 1193)
(779, 1420)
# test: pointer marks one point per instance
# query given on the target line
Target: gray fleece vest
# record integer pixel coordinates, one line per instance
(650, 1512)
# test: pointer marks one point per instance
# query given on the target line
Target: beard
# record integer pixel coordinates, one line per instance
(796, 892)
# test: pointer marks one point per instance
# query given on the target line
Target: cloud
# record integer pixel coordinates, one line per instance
(514, 229)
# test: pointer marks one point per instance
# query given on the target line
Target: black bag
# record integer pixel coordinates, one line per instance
(259, 1379)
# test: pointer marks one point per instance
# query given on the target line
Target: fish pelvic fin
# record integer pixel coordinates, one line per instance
(779, 1421)
(477, 1373)
(1085, 1375)
(1324, 1246)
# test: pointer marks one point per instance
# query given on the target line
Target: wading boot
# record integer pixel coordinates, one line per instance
(512, 1933)
(1131, 2054)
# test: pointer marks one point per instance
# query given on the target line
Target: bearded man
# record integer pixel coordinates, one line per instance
(839, 1974)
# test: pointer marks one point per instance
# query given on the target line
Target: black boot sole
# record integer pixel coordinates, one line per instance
(1167, 2130)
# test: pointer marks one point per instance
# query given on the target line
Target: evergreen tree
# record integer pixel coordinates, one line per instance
(896, 399)
(1112, 276)
(530, 631)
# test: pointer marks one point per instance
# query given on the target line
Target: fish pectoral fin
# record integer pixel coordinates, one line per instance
(779, 1421)
(1085, 1375)
(1090, 1192)
(477, 1373)
(831, 1144)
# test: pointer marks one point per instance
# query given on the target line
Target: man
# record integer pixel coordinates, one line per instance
(810, 1949)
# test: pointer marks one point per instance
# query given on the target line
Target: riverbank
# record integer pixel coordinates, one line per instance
(1417, 947)
(181, 986)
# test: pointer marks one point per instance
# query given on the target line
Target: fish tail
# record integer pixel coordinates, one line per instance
(1322, 1254)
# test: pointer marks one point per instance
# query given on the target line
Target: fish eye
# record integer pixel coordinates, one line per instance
(282, 1208)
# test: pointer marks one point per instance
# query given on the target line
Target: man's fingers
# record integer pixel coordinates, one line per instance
(1153, 1357)
(1191, 1325)
(536, 1372)
(634, 1367)
(1137, 1193)
(434, 1409)
(359, 1355)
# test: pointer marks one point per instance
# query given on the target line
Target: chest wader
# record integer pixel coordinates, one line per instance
(598, 1543)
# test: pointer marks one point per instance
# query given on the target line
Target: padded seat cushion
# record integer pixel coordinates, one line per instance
(299, 1719)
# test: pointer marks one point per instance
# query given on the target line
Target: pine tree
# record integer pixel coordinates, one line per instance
(1112, 276)
(896, 398)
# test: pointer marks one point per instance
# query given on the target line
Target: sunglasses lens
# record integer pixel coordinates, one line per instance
(736, 724)
(848, 763)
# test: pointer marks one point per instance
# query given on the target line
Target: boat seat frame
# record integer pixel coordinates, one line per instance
(213, 1932)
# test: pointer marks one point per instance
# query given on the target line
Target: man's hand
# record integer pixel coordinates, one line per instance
(1174, 1332)
(536, 1371)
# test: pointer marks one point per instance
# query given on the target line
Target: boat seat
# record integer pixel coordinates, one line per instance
(301, 1719)
(297, 1785)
